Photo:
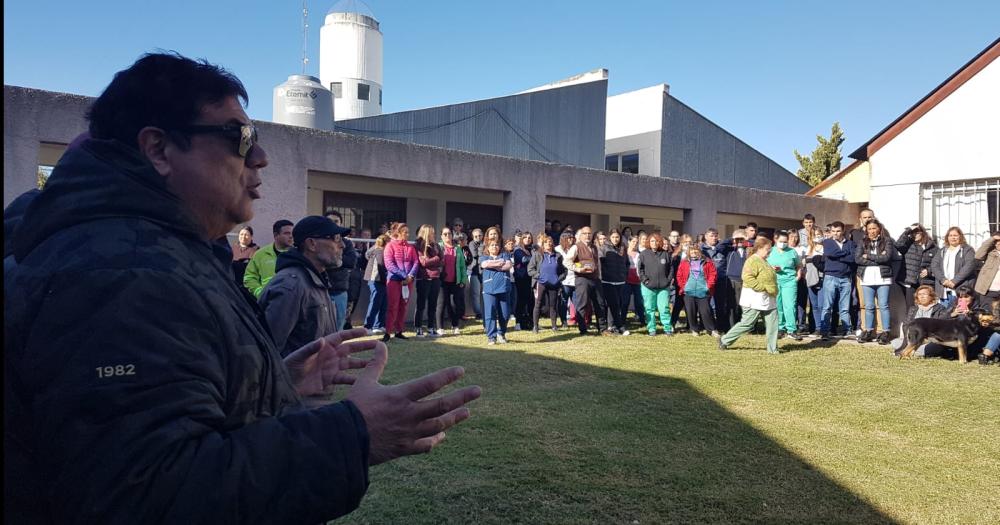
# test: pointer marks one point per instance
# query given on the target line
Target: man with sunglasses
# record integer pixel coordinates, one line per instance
(141, 385)
(296, 301)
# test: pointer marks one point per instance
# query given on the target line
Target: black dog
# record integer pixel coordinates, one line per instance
(958, 333)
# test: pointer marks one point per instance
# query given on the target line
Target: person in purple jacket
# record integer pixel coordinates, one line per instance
(402, 264)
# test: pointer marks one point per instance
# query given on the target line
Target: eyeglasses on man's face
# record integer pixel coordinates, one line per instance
(245, 135)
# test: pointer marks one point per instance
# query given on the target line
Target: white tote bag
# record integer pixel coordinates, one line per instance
(750, 298)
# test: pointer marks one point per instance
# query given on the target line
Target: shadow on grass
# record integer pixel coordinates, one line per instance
(553, 441)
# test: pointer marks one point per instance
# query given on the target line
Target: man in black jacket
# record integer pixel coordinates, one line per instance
(296, 302)
(140, 385)
(340, 275)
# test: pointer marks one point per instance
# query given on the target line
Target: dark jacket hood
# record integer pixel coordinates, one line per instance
(101, 179)
(293, 257)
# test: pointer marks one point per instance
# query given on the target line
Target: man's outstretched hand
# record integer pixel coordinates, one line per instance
(320, 365)
(400, 421)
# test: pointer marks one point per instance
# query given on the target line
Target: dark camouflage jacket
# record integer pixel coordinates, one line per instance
(140, 386)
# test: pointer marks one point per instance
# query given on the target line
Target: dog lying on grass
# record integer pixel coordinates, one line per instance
(957, 333)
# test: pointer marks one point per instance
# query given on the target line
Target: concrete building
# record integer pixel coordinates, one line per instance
(936, 163)
(650, 132)
(376, 179)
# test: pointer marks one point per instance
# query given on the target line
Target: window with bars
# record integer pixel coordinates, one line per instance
(973, 206)
(365, 211)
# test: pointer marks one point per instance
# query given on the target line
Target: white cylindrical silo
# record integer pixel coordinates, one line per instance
(350, 59)
(303, 101)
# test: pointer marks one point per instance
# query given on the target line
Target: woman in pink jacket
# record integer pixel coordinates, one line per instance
(401, 263)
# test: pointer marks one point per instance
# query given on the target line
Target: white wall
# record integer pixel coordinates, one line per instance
(350, 52)
(635, 112)
(956, 140)
(634, 122)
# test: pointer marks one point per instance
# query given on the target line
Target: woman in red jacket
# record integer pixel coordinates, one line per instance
(401, 263)
(696, 282)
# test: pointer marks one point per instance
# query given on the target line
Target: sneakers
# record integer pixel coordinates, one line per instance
(651, 334)
(695, 333)
(988, 359)
(376, 331)
(491, 342)
(534, 330)
(385, 338)
(782, 334)
(420, 333)
(501, 340)
(456, 331)
(722, 346)
(824, 336)
(668, 334)
(437, 333)
(716, 334)
(796, 336)
(626, 332)
(866, 337)
(884, 338)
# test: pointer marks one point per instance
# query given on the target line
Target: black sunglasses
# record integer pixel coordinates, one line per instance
(246, 134)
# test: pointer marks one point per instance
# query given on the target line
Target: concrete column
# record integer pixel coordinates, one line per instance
(441, 212)
(697, 220)
(614, 221)
(524, 209)
(314, 201)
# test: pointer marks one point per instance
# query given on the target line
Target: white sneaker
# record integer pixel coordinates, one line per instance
(456, 331)
(376, 331)
(501, 339)
(716, 334)
(491, 342)
(694, 333)
(439, 333)
(626, 332)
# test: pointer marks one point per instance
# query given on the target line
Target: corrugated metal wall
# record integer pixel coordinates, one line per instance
(563, 125)
(695, 148)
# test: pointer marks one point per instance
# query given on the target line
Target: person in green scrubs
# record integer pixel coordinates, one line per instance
(788, 267)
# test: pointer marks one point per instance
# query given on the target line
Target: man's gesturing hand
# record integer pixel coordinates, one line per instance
(318, 366)
(400, 421)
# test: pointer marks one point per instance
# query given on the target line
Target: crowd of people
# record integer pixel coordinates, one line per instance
(156, 373)
(805, 281)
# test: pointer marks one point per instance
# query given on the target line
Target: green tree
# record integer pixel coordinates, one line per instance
(825, 159)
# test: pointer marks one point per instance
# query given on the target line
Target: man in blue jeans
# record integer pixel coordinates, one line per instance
(838, 271)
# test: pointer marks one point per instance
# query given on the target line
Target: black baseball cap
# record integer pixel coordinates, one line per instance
(315, 226)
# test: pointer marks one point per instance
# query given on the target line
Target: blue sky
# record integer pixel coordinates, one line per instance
(773, 73)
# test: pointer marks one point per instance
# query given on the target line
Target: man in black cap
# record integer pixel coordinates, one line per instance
(296, 302)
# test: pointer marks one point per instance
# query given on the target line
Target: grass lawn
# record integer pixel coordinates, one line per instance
(656, 430)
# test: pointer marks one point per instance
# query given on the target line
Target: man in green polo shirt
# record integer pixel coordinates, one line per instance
(261, 267)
